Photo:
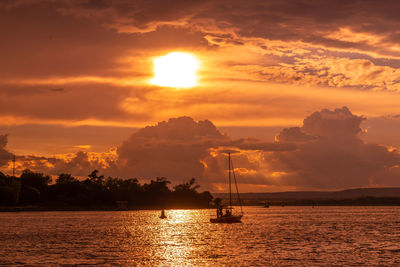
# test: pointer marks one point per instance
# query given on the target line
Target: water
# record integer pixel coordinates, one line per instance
(290, 236)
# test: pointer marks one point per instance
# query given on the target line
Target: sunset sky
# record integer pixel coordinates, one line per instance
(306, 92)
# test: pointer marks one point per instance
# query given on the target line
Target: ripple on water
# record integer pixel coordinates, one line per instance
(289, 236)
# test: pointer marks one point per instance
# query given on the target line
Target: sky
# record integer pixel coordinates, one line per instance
(305, 93)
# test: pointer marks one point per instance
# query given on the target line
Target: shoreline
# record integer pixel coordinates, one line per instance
(44, 208)
(74, 208)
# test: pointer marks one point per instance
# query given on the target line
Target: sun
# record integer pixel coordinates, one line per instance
(176, 69)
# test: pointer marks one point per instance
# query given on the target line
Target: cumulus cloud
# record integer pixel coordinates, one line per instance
(331, 154)
(181, 148)
(339, 122)
(177, 149)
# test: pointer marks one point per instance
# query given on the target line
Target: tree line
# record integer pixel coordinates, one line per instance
(33, 188)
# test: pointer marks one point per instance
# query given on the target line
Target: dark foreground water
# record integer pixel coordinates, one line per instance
(294, 236)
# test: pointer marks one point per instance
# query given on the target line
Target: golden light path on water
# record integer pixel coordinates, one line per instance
(177, 240)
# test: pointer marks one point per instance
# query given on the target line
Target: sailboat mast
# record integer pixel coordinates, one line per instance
(230, 191)
(237, 189)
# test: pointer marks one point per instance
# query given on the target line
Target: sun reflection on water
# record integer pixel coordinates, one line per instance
(180, 216)
(177, 239)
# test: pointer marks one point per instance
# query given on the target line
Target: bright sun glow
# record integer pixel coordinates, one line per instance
(175, 69)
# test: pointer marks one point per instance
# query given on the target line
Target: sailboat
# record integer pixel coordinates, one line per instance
(229, 216)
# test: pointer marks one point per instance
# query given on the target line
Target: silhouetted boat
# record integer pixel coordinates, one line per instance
(163, 216)
(229, 216)
(266, 205)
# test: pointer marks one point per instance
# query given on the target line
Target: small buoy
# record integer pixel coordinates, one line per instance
(162, 216)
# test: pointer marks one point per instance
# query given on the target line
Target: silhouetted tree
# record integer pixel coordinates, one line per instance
(94, 178)
(187, 193)
(124, 190)
(188, 187)
(96, 191)
(35, 179)
(65, 178)
(33, 186)
(69, 190)
(157, 192)
(9, 187)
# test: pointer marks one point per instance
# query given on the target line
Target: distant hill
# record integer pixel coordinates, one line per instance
(320, 195)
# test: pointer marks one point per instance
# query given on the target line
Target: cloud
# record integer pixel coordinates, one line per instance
(79, 164)
(382, 130)
(173, 148)
(334, 71)
(327, 23)
(5, 156)
(331, 154)
(256, 145)
(181, 148)
(293, 134)
(339, 122)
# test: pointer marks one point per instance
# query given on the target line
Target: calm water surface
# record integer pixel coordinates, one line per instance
(290, 236)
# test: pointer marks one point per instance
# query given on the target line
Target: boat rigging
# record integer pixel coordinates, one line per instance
(229, 216)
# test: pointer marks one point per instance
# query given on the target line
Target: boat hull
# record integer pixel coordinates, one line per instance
(228, 219)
